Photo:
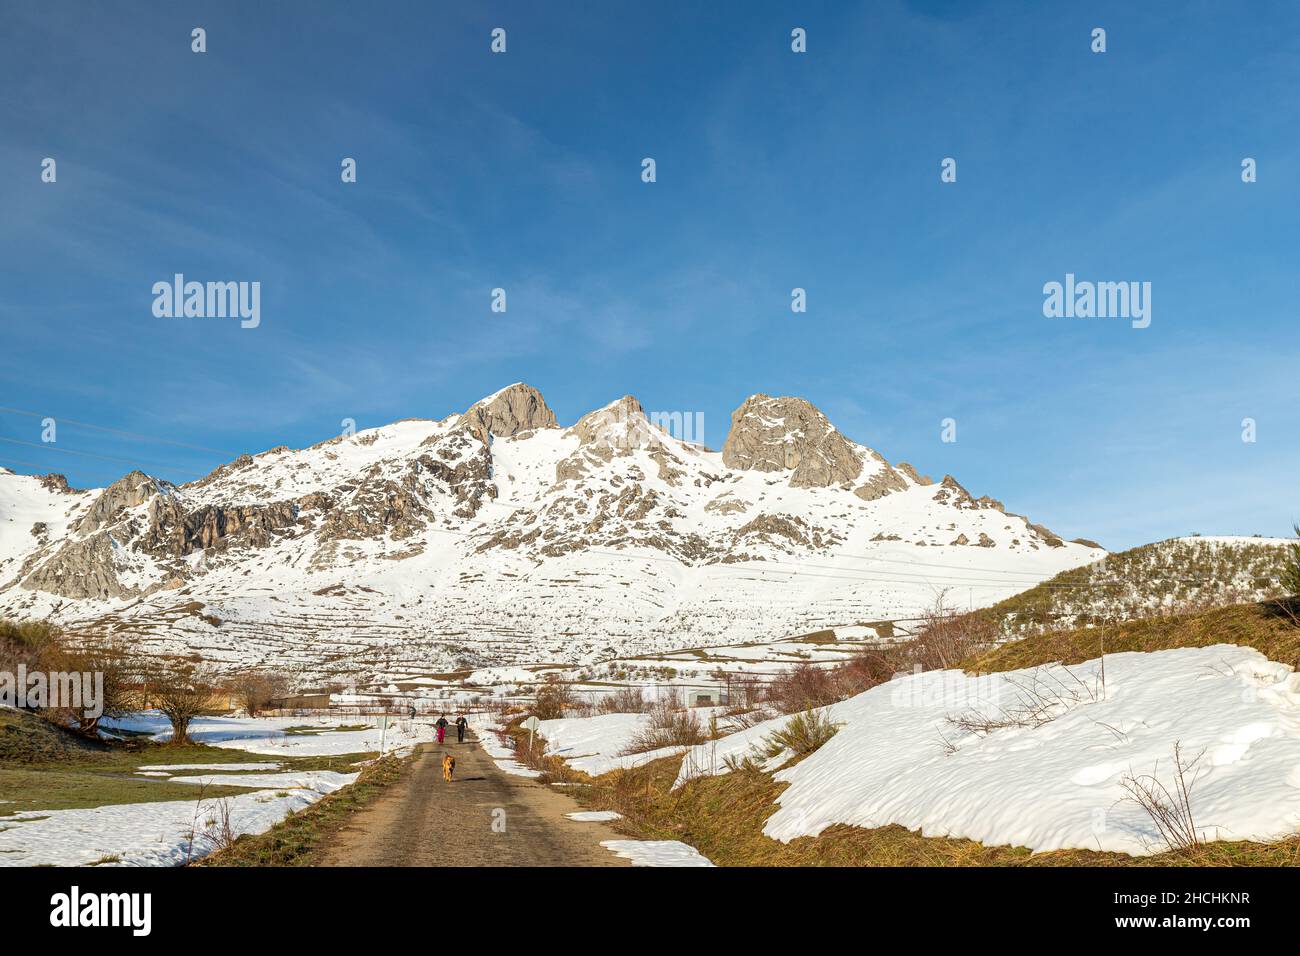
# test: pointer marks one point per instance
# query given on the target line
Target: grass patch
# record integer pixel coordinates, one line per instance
(306, 730)
(28, 738)
(1263, 626)
(802, 734)
(299, 839)
(49, 768)
(28, 789)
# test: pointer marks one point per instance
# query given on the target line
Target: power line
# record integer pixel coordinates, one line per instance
(50, 446)
(134, 436)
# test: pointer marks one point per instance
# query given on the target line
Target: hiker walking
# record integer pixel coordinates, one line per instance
(442, 728)
(461, 725)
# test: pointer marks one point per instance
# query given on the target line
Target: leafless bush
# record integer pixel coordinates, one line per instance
(803, 687)
(670, 725)
(1040, 699)
(735, 722)
(625, 700)
(1169, 807)
(945, 638)
(219, 831)
(116, 669)
(554, 699)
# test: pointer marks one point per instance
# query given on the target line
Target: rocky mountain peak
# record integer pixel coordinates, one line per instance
(790, 434)
(515, 409)
(55, 482)
(132, 489)
(621, 423)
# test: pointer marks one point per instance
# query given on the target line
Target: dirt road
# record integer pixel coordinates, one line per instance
(485, 817)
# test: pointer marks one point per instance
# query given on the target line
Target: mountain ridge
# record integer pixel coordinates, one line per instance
(499, 534)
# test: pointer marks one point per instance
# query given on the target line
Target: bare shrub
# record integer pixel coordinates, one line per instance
(1040, 699)
(802, 734)
(26, 643)
(625, 700)
(945, 638)
(530, 750)
(1169, 807)
(554, 699)
(803, 687)
(116, 668)
(670, 725)
(735, 722)
(219, 830)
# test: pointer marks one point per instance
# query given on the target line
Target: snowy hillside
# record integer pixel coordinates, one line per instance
(498, 536)
(1177, 576)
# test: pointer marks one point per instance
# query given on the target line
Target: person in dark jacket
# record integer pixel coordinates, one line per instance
(461, 726)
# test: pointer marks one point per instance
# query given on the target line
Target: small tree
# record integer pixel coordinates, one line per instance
(115, 670)
(182, 690)
(256, 689)
(553, 699)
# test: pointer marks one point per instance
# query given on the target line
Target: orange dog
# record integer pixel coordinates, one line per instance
(448, 767)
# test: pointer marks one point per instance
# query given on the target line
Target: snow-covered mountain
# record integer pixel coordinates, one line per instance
(497, 536)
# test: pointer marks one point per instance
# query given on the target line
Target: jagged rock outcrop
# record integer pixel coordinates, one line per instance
(511, 411)
(455, 466)
(790, 434)
(912, 473)
(56, 482)
(880, 484)
(172, 532)
(133, 489)
(619, 428)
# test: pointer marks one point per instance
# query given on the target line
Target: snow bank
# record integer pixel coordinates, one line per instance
(266, 735)
(209, 766)
(656, 852)
(593, 745)
(1058, 784)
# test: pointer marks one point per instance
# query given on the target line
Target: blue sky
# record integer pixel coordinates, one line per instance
(775, 170)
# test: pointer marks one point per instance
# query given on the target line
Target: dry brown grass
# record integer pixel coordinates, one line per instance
(1263, 626)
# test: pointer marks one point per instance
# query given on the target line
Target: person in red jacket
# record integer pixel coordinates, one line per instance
(441, 724)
